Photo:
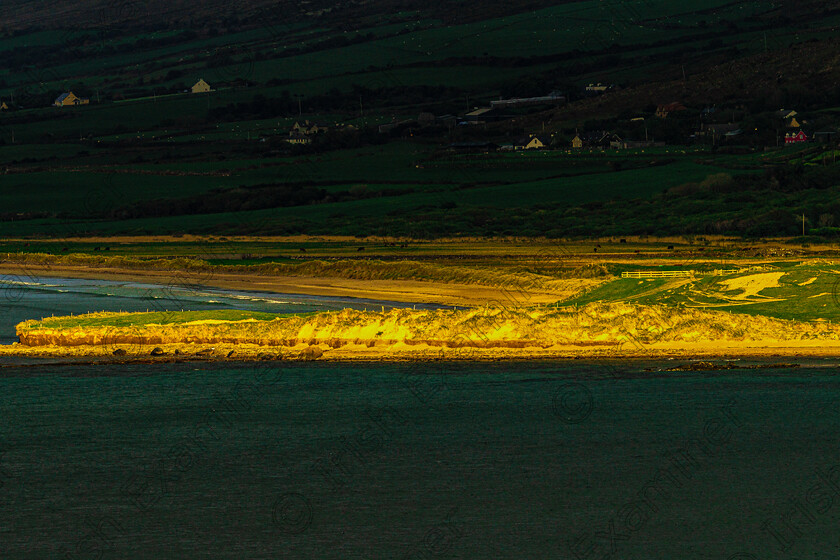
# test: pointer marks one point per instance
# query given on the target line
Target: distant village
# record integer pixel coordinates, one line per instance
(670, 123)
(479, 129)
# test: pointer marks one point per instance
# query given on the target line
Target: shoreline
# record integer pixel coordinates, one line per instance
(492, 330)
(397, 291)
(220, 353)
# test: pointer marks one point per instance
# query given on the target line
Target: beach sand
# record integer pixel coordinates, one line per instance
(407, 291)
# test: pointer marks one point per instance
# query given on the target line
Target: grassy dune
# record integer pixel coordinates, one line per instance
(614, 328)
(155, 318)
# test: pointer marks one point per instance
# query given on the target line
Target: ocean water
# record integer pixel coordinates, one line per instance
(24, 297)
(571, 459)
(437, 460)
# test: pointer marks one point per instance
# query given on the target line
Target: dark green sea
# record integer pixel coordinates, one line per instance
(515, 460)
(526, 460)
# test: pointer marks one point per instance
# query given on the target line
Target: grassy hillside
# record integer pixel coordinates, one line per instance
(145, 157)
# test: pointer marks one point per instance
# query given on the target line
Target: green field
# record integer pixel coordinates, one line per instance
(803, 291)
(154, 318)
(409, 175)
(144, 157)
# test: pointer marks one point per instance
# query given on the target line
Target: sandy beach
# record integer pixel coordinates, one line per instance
(407, 291)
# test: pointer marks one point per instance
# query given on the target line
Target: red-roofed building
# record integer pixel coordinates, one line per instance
(795, 137)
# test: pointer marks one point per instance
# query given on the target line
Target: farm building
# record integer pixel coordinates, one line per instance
(302, 132)
(795, 137)
(308, 128)
(595, 139)
(70, 99)
(662, 111)
(482, 115)
(532, 142)
(612, 140)
(598, 88)
(635, 144)
(200, 87)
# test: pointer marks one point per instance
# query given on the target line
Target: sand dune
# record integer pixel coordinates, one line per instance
(593, 330)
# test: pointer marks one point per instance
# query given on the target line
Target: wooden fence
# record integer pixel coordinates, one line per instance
(689, 273)
(659, 274)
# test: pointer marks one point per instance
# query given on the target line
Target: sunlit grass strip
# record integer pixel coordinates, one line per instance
(140, 319)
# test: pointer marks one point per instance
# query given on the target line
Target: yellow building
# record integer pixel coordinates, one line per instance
(577, 141)
(201, 87)
(4, 107)
(308, 128)
(70, 99)
(533, 142)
